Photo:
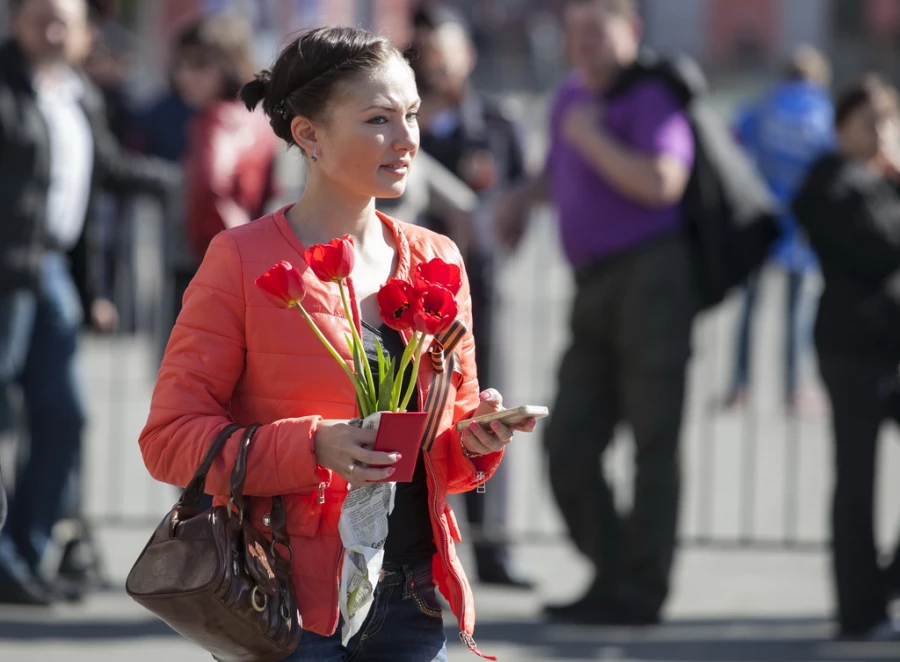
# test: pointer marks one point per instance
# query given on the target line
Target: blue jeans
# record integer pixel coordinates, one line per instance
(404, 625)
(38, 342)
(798, 333)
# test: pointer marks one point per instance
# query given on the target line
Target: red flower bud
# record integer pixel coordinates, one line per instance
(438, 272)
(395, 300)
(333, 261)
(434, 310)
(283, 284)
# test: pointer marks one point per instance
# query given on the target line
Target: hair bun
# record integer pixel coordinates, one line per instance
(255, 91)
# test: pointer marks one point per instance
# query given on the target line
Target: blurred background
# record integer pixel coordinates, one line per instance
(752, 576)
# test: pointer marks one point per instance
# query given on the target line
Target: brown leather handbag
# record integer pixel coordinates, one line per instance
(215, 579)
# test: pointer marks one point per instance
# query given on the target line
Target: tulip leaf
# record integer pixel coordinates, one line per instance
(385, 390)
(382, 364)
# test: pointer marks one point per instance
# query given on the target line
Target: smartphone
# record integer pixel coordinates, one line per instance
(507, 416)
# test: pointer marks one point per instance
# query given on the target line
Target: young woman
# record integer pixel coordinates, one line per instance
(850, 207)
(348, 100)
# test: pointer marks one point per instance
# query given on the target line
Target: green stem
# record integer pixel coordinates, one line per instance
(358, 347)
(408, 352)
(415, 374)
(337, 357)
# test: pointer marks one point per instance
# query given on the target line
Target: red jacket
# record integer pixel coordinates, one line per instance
(233, 355)
(229, 166)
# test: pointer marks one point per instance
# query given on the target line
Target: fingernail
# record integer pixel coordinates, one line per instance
(532, 424)
(473, 426)
(391, 471)
(396, 456)
(495, 425)
(484, 395)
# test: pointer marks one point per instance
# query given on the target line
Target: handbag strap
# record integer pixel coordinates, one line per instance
(279, 528)
(278, 513)
(239, 473)
(192, 493)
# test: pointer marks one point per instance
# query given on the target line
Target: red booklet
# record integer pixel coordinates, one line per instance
(401, 432)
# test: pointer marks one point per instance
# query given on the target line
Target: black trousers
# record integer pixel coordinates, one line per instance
(479, 268)
(631, 327)
(858, 411)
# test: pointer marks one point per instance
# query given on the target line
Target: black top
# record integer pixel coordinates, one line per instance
(25, 174)
(852, 218)
(410, 539)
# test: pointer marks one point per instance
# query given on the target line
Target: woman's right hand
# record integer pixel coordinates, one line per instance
(345, 449)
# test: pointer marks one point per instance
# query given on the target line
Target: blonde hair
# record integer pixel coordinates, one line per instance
(808, 64)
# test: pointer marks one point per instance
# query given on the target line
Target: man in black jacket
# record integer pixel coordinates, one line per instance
(56, 151)
(472, 137)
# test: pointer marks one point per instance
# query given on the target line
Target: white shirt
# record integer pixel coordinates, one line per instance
(71, 155)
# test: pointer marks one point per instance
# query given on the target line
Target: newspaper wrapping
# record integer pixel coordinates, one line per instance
(364, 528)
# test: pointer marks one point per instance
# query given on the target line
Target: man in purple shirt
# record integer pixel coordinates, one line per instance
(617, 171)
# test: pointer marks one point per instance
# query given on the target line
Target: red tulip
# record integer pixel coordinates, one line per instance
(438, 272)
(434, 310)
(395, 299)
(333, 261)
(283, 284)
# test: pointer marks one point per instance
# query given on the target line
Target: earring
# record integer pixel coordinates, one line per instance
(315, 155)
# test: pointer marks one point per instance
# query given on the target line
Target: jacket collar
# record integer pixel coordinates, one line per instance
(396, 228)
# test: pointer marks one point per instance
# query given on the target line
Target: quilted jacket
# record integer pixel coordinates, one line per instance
(233, 355)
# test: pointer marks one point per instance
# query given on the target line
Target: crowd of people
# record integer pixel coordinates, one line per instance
(617, 171)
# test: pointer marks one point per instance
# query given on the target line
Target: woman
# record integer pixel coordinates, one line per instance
(230, 156)
(850, 208)
(348, 100)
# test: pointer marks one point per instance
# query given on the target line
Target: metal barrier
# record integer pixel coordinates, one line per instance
(753, 478)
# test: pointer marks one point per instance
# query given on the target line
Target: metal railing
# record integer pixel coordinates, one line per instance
(752, 478)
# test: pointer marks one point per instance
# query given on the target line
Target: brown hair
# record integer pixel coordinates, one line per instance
(307, 74)
(224, 40)
(870, 88)
(808, 64)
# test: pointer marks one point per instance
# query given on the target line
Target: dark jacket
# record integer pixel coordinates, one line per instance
(25, 170)
(852, 218)
(482, 125)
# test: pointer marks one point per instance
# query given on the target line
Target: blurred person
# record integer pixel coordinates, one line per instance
(348, 100)
(108, 65)
(56, 151)
(850, 208)
(230, 155)
(471, 135)
(160, 129)
(617, 171)
(786, 132)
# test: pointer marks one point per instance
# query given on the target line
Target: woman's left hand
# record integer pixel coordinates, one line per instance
(481, 441)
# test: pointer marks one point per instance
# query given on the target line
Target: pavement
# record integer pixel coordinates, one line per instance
(751, 580)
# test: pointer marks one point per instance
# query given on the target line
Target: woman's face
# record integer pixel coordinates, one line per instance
(370, 133)
(197, 78)
(868, 130)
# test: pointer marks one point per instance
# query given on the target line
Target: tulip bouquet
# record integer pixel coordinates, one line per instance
(423, 307)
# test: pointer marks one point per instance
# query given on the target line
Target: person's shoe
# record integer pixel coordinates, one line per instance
(25, 592)
(499, 575)
(887, 630)
(65, 590)
(591, 610)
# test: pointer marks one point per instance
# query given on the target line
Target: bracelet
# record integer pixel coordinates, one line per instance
(466, 452)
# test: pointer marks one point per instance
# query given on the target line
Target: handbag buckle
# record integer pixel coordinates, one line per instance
(265, 599)
(274, 552)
